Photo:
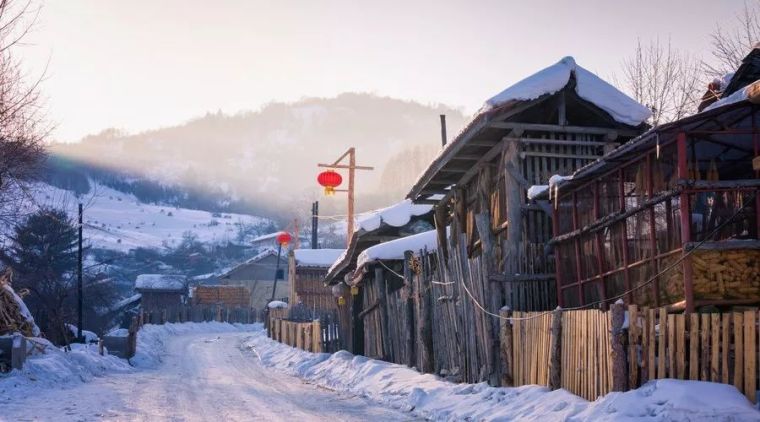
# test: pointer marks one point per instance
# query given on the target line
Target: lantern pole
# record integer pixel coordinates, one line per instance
(276, 272)
(351, 167)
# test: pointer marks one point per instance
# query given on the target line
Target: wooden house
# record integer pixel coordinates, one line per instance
(397, 301)
(161, 291)
(399, 220)
(553, 122)
(671, 218)
(307, 269)
(257, 275)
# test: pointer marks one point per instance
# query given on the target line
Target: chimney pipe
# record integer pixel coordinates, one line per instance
(443, 130)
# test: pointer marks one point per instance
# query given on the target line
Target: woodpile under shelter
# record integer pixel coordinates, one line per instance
(553, 122)
(307, 269)
(671, 218)
(399, 220)
(232, 296)
(161, 291)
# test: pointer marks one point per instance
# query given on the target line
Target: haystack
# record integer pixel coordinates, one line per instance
(14, 315)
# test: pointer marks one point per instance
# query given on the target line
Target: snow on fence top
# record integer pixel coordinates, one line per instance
(590, 87)
(396, 215)
(160, 282)
(395, 249)
(277, 304)
(323, 258)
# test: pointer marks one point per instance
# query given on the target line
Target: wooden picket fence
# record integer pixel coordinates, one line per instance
(317, 335)
(199, 313)
(581, 352)
(707, 347)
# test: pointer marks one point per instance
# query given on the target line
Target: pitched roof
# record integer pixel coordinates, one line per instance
(172, 282)
(319, 258)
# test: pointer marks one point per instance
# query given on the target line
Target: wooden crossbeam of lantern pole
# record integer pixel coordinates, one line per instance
(351, 167)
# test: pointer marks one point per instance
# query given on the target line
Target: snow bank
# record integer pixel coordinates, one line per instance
(161, 282)
(395, 249)
(431, 397)
(590, 87)
(89, 336)
(316, 257)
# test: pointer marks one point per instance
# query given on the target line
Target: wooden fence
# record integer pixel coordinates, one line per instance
(591, 352)
(317, 335)
(199, 313)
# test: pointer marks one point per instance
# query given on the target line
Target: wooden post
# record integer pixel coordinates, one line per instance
(380, 288)
(685, 214)
(163, 316)
(18, 351)
(316, 331)
(424, 323)
(507, 373)
(555, 351)
(409, 308)
(619, 376)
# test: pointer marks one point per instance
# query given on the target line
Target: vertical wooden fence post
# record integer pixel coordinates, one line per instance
(507, 375)
(317, 333)
(619, 364)
(555, 357)
(409, 308)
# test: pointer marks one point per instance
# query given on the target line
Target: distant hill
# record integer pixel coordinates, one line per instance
(263, 162)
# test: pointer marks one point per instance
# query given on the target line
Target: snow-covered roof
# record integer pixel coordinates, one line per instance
(261, 255)
(395, 249)
(750, 92)
(588, 86)
(160, 282)
(266, 237)
(323, 258)
(396, 215)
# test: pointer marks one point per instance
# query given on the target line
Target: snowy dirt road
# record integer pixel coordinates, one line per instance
(204, 377)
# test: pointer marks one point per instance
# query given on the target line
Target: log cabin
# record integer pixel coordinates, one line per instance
(307, 269)
(552, 122)
(372, 228)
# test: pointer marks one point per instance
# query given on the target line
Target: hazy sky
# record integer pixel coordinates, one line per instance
(141, 64)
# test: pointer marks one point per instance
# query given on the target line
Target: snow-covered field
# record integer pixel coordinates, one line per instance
(430, 397)
(119, 221)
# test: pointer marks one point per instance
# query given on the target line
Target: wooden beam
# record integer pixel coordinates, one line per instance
(719, 184)
(452, 170)
(537, 141)
(555, 155)
(466, 157)
(723, 245)
(756, 163)
(585, 130)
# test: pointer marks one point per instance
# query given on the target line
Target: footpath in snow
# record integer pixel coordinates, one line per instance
(431, 397)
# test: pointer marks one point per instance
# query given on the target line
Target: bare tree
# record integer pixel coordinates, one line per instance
(22, 127)
(664, 79)
(729, 46)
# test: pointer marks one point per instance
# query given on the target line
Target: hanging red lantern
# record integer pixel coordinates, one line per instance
(330, 179)
(283, 239)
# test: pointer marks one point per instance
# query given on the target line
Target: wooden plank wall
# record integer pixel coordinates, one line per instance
(717, 347)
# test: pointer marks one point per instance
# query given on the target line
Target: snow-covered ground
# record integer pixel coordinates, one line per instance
(430, 397)
(119, 221)
(216, 371)
(183, 372)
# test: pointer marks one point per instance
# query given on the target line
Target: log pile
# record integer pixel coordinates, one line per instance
(12, 319)
(727, 274)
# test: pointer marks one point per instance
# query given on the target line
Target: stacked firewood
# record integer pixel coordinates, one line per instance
(728, 274)
(11, 318)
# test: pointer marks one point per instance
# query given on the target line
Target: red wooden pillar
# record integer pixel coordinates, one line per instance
(652, 231)
(685, 208)
(577, 242)
(599, 246)
(624, 238)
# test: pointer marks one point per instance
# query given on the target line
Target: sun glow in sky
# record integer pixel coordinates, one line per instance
(143, 64)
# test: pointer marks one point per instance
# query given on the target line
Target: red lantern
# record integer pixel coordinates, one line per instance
(283, 239)
(330, 179)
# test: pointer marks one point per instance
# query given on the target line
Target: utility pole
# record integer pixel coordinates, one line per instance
(276, 271)
(314, 224)
(443, 130)
(351, 167)
(79, 278)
